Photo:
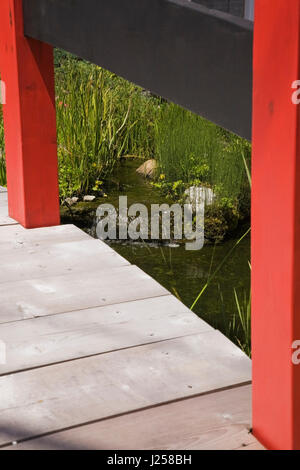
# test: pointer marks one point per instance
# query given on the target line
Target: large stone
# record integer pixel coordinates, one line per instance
(148, 168)
(89, 198)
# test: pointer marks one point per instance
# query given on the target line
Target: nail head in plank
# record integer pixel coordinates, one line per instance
(48, 340)
(57, 259)
(17, 237)
(75, 291)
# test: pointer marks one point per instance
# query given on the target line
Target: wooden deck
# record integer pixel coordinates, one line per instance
(100, 356)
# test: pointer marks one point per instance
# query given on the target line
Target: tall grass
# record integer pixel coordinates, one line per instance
(90, 131)
(100, 118)
(189, 147)
(185, 144)
(241, 322)
(217, 269)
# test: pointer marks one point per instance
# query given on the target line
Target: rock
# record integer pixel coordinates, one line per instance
(148, 168)
(199, 195)
(70, 201)
(89, 198)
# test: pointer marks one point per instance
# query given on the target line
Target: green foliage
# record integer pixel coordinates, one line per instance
(100, 117)
(190, 148)
(194, 152)
(90, 130)
(185, 144)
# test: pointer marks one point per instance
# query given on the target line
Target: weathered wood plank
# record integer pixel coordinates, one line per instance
(17, 237)
(48, 340)
(76, 392)
(75, 291)
(57, 259)
(215, 421)
(3, 198)
(5, 220)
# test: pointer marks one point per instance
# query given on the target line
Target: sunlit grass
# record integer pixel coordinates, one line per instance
(189, 147)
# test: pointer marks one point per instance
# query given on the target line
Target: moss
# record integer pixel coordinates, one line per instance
(222, 219)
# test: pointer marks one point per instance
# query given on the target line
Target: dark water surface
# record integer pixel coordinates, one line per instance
(182, 272)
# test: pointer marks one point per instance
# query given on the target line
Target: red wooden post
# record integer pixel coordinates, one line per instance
(276, 224)
(26, 68)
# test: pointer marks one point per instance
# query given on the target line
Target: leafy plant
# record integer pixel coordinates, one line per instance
(100, 117)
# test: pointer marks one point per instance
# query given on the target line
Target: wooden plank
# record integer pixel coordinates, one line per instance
(17, 237)
(3, 198)
(38, 297)
(217, 421)
(58, 259)
(59, 396)
(3, 210)
(4, 217)
(5, 220)
(48, 340)
(198, 58)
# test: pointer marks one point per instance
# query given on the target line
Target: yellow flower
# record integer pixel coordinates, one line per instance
(162, 177)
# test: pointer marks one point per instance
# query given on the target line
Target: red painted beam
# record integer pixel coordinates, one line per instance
(276, 224)
(26, 67)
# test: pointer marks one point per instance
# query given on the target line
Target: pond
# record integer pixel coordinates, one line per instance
(182, 272)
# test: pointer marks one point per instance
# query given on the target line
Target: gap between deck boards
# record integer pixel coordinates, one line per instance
(77, 358)
(129, 413)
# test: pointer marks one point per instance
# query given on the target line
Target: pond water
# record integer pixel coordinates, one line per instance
(182, 272)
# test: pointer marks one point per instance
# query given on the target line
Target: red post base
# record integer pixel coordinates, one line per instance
(27, 70)
(276, 224)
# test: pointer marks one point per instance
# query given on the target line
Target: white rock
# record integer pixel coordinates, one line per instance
(89, 198)
(71, 200)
